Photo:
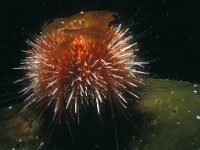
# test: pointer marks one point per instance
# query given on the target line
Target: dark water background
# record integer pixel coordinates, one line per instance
(167, 32)
(171, 29)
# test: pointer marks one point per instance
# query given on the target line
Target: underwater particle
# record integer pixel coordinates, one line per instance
(36, 137)
(42, 143)
(195, 91)
(178, 123)
(81, 60)
(20, 140)
(198, 117)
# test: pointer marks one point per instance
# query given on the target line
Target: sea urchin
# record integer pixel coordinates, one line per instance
(81, 60)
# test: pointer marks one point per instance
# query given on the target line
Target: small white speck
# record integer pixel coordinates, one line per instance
(62, 22)
(178, 123)
(10, 107)
(20, 140)
(172, 92)
(36, 137)
(198, 117)
(13, 148)
(189, 110)
(195, 85)
(42, 143)
(195, 91)
(82, 12)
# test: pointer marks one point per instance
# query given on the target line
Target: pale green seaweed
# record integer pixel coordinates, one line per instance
(175, 107)
(170, 111)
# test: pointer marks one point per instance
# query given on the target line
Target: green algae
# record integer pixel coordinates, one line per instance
(175, 106)
(170, 111)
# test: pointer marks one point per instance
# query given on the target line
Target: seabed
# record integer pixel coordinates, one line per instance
(169, 109)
